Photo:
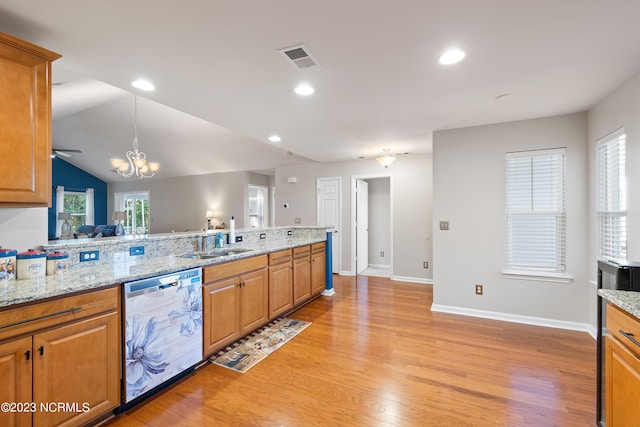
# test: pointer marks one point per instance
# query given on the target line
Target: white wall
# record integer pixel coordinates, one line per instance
(23, 228)
(469, 192)
(411, 188)
(620, 108)
(181, 203)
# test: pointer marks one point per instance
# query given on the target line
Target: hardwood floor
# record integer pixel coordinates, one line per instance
(377, 356)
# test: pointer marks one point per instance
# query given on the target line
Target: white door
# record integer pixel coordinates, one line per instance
(329, 202)
(362, 225)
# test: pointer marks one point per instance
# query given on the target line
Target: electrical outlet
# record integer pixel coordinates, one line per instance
(297, 220)
(89, 256)
(425, 264)
(263, 236)
(238, 239)
(444, 225)
(289, 232)
(381, 254)
(136, 250)
(478, 289)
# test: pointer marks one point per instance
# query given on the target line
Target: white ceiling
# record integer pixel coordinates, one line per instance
(378, 83)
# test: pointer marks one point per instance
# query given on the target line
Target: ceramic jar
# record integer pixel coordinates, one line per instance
(31, 264)
(7, 264)
(57, 262)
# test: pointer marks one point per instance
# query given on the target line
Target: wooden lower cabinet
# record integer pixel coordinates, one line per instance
(301, 279)
(235, 301)
(16, 374)
(318, 268)
(68, 371)
(280, 282)
(623, 384)
(622, 368)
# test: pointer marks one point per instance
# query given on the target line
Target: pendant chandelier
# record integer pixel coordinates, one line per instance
(386, 159)
(136, 162)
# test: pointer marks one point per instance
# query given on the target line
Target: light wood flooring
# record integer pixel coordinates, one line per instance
(376, 355)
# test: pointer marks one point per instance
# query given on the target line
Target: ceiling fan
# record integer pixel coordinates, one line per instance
(64, 152)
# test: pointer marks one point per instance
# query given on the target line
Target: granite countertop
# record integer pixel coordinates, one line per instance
(629, 301)
(13, 292)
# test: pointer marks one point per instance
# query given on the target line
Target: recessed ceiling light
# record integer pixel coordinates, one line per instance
(143, 85)
(304, 89)
(275, 138)
(451, 57)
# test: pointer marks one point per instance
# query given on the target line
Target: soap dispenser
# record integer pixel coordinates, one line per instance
(219, 240)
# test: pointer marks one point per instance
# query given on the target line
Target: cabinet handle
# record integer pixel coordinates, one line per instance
(28, 353)
(33, 319)
(630, 337)
(41, 350)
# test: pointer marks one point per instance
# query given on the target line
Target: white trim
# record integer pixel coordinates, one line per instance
(515, 318)
(337, 235)
(328, 292)
(413, 280)
(381, 266)
(538, 276)
(347, 273)
(352, 216)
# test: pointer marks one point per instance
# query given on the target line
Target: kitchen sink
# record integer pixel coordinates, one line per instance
(214, 254)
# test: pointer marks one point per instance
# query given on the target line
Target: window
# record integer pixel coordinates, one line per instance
(611, 196)
(76, 204)
(258, 206)
(79, 203)
(536, 219)
(136, 209)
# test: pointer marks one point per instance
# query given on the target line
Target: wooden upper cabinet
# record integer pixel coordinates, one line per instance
(25, 123)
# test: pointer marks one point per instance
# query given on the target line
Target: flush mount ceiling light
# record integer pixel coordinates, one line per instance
(143, 85)
(304, 89)
(136, 162)
(386, 159)
(451, 57)
(275, 138)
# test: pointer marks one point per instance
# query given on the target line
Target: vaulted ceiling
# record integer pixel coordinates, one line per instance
(223, 87)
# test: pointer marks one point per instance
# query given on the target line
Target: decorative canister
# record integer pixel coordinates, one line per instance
(31, 264)
(7, 263)
(57, 262)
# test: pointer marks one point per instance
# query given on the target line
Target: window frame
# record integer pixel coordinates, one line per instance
(552, 187)
(615, 193)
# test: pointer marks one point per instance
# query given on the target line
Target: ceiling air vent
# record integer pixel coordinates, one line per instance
(299, 56)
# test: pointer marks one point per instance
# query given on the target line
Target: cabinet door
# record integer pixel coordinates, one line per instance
(254, 300)
(280, 289)
(15, 372)
(318, 273)
(221, 314)
(301, 279)
(25, 120)
(78, 365)
(622, 384)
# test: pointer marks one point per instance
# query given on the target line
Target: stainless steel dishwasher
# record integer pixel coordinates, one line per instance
(162, 331)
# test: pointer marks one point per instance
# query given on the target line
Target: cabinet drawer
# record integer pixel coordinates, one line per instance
(624, 327)
(317, 247)
(233, 268)
(280, 256)
(38, 316)
(302, 251)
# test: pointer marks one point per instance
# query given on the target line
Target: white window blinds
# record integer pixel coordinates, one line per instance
(536, 219)
(611, 196)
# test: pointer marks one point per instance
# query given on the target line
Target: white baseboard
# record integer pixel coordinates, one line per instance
(383, 266)
(413, 280)
(528, 320)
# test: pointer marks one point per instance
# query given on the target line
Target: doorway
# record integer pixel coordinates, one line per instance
(329, 213)
(372, 223)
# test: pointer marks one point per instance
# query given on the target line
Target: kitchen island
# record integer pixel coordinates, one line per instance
(161, 254)
(62, 336)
